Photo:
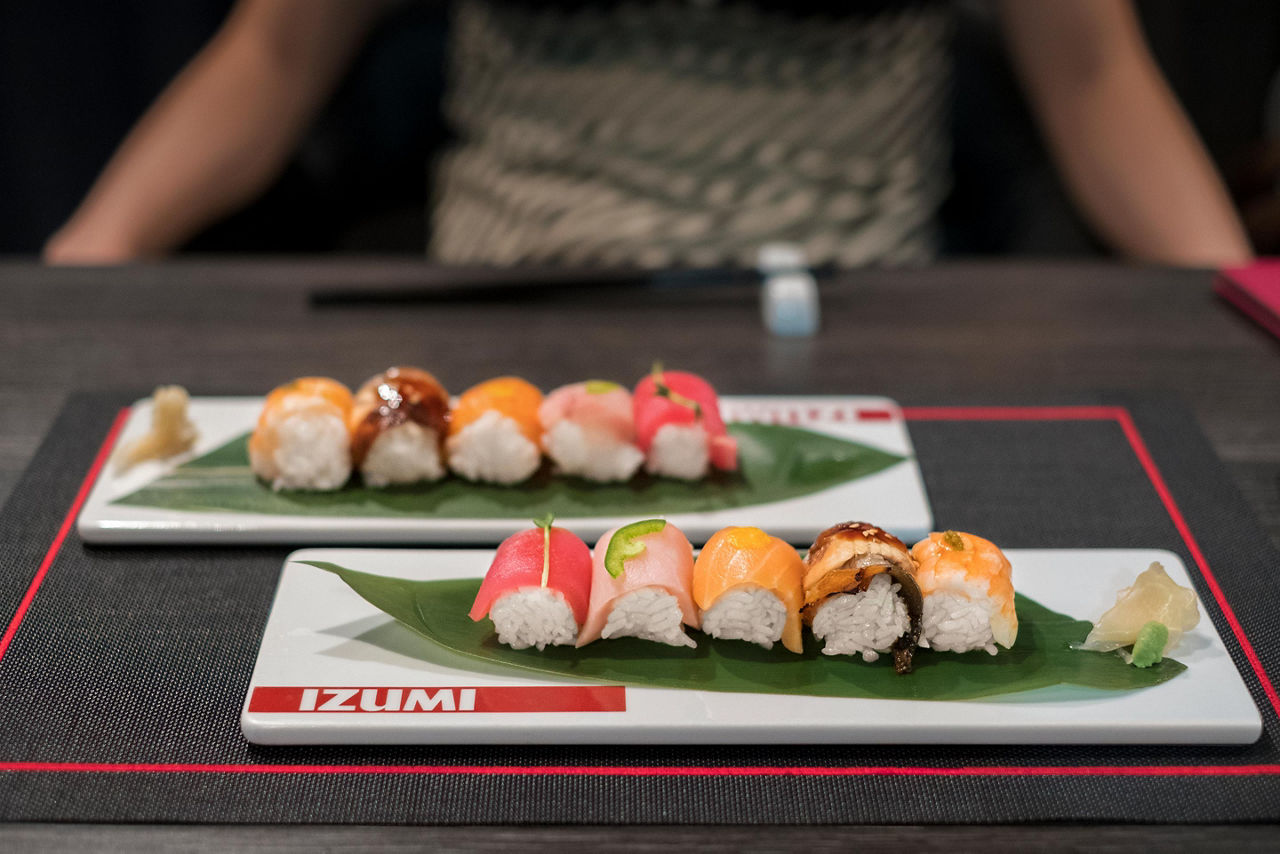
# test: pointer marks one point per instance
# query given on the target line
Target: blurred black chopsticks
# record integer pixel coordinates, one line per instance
(445, 284)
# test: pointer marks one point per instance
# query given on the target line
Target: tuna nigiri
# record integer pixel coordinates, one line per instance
(967, 584)
(748, 585)
(860, 594)
(536, 590)
(398, 425)
(301, 440)
(589, 431)
(641, 575)
(679, 428)
(494, 432)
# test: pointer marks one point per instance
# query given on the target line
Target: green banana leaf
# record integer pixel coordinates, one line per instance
(1042, 657)
(776, 462)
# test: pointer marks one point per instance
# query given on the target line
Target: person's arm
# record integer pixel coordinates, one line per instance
(1128, 154)
(220, 132)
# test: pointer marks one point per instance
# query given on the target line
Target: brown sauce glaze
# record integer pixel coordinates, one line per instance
(393, 397)
(867, 551)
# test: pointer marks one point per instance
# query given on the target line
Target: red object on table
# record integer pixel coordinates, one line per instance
(1255, 290)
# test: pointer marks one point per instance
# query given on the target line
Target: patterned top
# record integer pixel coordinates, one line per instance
(678, 133)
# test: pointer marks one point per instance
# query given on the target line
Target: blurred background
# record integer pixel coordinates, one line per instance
(75, 76)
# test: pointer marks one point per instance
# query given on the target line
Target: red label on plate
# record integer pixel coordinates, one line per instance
(605, 698)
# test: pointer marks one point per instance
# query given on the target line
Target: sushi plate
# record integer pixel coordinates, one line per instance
(333, 669)
(800, 456)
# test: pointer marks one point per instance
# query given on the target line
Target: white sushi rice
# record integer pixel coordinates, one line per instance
(681, 451)
(533, 616)
(647, 613)
(748, 613)
(590, 455)
(312, 451)
(405, 453)
(492, 449)
(865, 623)
(956, 623)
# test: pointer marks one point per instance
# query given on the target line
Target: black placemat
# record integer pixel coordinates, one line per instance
(122, 677)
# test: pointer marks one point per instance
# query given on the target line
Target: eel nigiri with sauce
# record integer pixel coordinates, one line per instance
(860, 594)
(398, 424)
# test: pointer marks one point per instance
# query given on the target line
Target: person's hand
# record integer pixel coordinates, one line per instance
(75, 246)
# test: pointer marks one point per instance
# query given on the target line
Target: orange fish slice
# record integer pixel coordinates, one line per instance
(734, 557)
(296, 395)
(510, 396)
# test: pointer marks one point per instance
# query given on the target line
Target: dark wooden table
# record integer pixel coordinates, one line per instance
(978, 331)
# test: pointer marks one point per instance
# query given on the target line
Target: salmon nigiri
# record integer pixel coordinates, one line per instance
(494, 432)
(398, 425)
(536, 590)
(678, 426)
(641, 575)
(301, 440)
(967, 584)
(589, 431)
(748, 585)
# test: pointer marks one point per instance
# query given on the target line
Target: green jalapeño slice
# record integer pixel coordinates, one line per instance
(626, 544)
(600, 386)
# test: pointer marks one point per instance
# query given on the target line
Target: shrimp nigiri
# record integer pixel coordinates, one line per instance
(679, 428)
(589, 431)
(967, 584)
(398, 424)
(641, 575)
(536, 589)
(301, 440)
(494, 432)
(748, 585)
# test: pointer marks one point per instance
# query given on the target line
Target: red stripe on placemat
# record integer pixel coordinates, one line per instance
(87, 484)
(660, 771)
(949, 413)
(1157, 480)
(1122, 417)
(1010, 413)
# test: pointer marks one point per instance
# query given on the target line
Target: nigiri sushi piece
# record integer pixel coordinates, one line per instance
(679, 428)
(967, 584)
(641, 579)
(536, 590)
(494, 432)
(301, 440)
(398, 424)
(748, 587)
(589, 431)
(860, 594)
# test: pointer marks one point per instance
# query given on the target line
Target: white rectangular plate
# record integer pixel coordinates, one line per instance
(322, 636)
(895, 496)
